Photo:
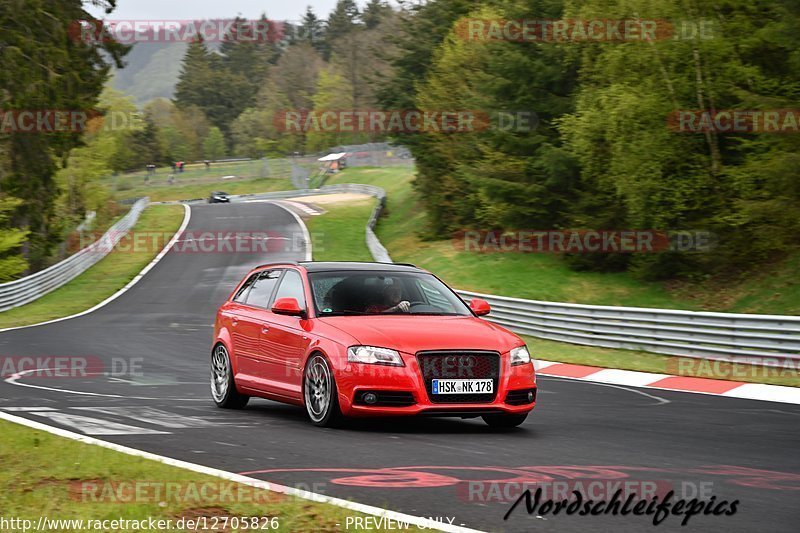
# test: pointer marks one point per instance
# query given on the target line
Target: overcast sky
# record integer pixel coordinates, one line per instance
(210, 9)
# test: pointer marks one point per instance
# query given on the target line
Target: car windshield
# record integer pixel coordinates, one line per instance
(383, 293)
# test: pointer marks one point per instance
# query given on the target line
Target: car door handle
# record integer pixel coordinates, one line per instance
(264, 329)
(234, 321)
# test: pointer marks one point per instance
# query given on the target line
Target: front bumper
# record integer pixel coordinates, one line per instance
(406, 392)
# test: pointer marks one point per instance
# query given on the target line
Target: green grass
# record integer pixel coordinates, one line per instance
(533, 276)
(42, 476)
(195, 172)
(193, 191)
(775, 289)
(525, 276)
(339, 234)
(103, 279)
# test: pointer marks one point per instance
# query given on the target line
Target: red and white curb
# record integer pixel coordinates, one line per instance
(648, 380)
(305, 208)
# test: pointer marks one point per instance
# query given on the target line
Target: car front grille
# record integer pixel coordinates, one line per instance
(459, 364)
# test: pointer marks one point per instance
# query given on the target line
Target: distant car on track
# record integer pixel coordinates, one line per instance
(362, 339)
(219, 197)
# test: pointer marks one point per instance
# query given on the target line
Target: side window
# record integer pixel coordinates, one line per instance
(241, 296)
(262, 289)
(292, 287)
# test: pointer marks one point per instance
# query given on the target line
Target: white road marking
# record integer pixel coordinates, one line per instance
(236, 478)
(14, 380)
(626, 377)
(306, 235)
(303, 207)
(187, 215)
(27, 409)
(152, 416)
(659, 399)
(96, 426)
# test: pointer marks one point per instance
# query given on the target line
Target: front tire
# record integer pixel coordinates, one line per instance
(223, 387)
(320, 393)
(504, 421)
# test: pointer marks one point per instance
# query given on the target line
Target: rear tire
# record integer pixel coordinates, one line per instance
(223, 387)
(320, 395)
(504, 421)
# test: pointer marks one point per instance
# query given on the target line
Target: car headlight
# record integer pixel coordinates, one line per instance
(520, 356)
(374, 355)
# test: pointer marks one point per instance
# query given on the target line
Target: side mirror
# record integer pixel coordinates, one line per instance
(288, 306)
(480, 307)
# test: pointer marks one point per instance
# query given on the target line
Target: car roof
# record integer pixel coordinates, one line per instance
(328, 266)
(333, 266)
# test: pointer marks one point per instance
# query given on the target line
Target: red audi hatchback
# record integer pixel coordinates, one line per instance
(361, 339)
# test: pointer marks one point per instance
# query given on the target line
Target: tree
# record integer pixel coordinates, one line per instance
(107, 148)
(333, 93)
(223, 85)
(375, 12)
(180, 132)
(247, 52)
(496, 176)
(46, 67)
(742, 187)
(343, 20)
(214, 144)
(195, 83)
(312, 31)
(12, 264)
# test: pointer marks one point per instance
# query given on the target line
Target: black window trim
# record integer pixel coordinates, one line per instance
(271, 294)
(278, 286)
(245, 289)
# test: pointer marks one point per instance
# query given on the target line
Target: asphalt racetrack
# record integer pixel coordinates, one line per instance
(452, 469)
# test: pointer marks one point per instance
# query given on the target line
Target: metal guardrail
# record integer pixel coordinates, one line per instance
(769, 340)
(375, 247)
(25, 290)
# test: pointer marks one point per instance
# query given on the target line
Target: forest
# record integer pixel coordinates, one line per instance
(610, 149)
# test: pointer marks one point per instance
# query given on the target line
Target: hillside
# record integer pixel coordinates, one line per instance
(772, 289)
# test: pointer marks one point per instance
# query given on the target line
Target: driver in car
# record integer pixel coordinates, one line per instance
(393, 301)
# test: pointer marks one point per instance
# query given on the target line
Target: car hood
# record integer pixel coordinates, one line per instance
(410, 334)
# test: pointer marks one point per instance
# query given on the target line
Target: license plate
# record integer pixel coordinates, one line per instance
(462, 386)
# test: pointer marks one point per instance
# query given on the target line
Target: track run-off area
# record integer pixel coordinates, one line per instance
(152, 348)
